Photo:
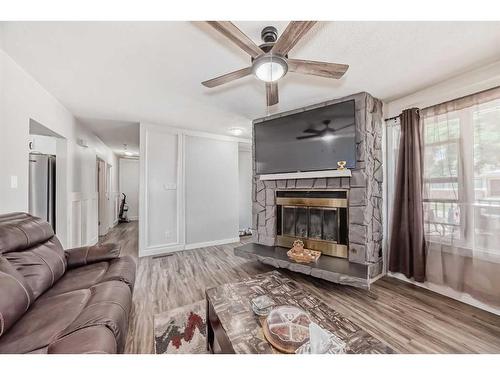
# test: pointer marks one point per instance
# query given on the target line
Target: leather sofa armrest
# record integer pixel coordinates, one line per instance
(80, 256)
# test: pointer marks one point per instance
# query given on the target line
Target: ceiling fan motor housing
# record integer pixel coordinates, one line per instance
(269, 34)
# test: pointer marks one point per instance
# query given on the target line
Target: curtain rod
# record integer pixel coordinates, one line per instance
(447, 101)
(392, 118)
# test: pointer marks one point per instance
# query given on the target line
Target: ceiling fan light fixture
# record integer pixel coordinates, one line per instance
(269, 68)
(328, 137)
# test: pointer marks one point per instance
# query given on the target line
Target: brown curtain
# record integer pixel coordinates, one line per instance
(407, 247)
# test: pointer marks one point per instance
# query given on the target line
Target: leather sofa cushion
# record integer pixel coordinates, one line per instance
(18, 233)
(43, 322)
(56, 324)
(121, 269)
(90, 340)
(15, 295)
(42, 265)
(82, 256)
(109, 306)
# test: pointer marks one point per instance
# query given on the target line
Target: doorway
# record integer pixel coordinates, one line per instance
(102, 192)
(47, 190)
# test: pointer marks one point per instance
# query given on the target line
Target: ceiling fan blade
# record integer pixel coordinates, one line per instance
(290, 37)
(227, 77)
(318, 134)
(311, 131)
(272, 93)
(317, 68)
(230, 31)
(309, 136)
(342, 127)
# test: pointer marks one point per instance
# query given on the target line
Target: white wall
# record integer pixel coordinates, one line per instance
(188, 186)
(245, 186)
(129, 185)
(465, 84)
(22, 99)
(211, 178)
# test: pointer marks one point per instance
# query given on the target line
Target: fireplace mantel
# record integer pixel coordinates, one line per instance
(303, 175)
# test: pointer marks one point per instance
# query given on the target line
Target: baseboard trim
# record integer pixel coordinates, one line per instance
(211, 243)
(448, 292)
(158, 250)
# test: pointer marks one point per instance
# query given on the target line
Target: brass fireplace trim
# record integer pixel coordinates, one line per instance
(326, 247)
(312, 202)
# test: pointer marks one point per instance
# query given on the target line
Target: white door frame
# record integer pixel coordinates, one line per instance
(102, 199)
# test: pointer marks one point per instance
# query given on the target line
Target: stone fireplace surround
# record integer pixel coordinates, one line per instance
(365, 188)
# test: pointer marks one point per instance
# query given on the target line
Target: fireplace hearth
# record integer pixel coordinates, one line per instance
(317, 217)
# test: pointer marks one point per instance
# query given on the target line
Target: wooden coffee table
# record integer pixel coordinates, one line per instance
(232, 327)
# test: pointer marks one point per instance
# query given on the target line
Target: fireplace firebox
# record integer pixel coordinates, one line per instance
(317, 217)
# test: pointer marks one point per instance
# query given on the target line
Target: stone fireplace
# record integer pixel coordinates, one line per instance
(358, 218)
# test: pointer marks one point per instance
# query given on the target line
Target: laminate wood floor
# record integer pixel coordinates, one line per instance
(407, 318)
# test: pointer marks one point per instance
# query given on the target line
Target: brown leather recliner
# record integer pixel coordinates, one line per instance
(56, 301)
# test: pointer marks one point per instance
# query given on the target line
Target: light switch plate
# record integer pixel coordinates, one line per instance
(13, 182)
(170, 186)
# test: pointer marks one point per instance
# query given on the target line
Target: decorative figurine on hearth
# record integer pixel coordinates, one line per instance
(301, 255)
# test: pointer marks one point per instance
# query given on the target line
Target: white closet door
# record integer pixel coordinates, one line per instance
(211, 177)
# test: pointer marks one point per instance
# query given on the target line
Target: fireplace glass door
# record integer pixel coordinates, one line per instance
(330, 224)
(316, 223)
(288, 228)
(301, 222)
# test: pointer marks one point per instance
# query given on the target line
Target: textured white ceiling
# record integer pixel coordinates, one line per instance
(151, 71)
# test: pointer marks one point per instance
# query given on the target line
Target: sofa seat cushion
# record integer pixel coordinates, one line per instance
(59, 323)
(108, 307)
(43, 322)
(121, 269)
(90, 340)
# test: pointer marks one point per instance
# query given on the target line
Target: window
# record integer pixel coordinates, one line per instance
(441, 177)
(462, 176)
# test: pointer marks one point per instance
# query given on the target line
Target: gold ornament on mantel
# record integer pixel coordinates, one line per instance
(341, 165)
(301, 255)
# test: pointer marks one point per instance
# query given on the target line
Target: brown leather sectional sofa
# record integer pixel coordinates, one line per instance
(56, 301)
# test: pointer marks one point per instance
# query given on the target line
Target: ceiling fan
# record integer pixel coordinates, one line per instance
(269, 61)
(326, 132)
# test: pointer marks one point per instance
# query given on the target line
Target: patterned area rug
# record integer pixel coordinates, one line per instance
(182, 330)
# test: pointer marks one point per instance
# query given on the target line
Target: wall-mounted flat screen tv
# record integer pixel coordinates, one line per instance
(312, 140)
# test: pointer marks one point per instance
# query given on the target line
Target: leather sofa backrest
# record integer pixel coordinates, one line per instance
(20, 231)
(28, 243)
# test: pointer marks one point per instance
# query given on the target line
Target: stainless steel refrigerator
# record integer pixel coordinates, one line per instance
(42, 191)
